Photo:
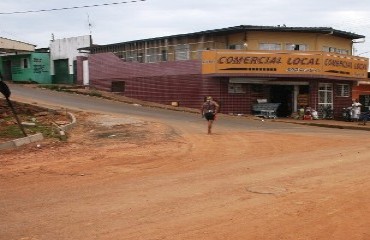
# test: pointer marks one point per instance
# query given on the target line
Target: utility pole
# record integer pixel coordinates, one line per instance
(4, 89)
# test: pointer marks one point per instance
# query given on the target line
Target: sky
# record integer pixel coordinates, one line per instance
(156, 18)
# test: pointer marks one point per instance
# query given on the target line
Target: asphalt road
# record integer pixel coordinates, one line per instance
(174, 118)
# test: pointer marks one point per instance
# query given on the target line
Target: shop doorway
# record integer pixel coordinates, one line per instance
(61, 72)
(7, 70)
(325, 104)
(282, 94)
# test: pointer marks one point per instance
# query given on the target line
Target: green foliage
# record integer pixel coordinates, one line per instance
(14, 131)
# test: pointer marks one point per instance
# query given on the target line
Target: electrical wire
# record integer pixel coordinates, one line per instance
(69, 8)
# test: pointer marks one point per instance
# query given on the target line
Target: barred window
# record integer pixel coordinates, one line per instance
(343, 90)
(336, 50)
(296, 47)
(151, 55)
(270, 46)
(182, 52)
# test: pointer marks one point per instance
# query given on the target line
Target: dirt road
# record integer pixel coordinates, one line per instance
(131, 178)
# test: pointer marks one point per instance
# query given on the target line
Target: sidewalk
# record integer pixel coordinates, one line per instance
(327, 123)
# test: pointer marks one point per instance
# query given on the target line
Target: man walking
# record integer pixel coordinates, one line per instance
(209, 110)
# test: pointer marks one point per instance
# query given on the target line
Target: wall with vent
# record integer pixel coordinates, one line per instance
(163, 82)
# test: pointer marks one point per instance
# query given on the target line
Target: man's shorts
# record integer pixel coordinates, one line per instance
(210, 116)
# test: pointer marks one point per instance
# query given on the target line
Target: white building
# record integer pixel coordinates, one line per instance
(63, 54)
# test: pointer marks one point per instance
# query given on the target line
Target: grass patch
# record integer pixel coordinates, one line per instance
(11, 132)
(14, 131)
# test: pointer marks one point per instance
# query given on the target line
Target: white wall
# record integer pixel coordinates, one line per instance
(66, 48)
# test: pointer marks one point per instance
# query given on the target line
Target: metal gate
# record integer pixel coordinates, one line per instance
(325, 105)
(61, 70)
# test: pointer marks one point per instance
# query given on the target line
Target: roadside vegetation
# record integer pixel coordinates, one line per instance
(34, 120)
(71, 89)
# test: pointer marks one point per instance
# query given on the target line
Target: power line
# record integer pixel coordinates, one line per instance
(69, 8)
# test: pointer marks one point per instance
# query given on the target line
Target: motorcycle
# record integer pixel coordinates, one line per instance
(327, 112)
(347, 114)
(364, 117)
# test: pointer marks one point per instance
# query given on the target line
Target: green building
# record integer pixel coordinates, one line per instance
(27, 67)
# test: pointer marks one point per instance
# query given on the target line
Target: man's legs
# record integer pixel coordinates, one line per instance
(210, 126)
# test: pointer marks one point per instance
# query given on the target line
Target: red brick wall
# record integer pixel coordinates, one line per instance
(182, 81)
(341, 102)
(164, 82)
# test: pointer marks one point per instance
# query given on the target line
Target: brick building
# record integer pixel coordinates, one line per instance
(294, 66)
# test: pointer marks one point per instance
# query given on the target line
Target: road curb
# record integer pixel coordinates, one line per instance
(21, 141)
(38, 136)
(70, 125)
(363, 128)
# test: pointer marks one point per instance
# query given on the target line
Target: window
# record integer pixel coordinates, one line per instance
(236, 88)
(343, 51)
(140, 58)
(131, 56)
(343, 90)
(151, 55)
(24, 63)
(296, 47)
(120, 55)
(335, 50)
(182, 52)
(270, 46)
(329, 49)
(164, 56)
(325, 97)
(236, 46)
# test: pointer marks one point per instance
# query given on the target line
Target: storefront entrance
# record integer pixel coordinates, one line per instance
(282, 94)
(325, 104)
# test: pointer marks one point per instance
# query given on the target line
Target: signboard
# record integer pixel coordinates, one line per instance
(305, 63)
(302, 100)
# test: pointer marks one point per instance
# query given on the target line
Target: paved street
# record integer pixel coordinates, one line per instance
(176, 118)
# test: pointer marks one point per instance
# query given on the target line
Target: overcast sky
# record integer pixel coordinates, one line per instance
(156, 18)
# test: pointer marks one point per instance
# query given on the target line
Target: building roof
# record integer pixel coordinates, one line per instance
(9, 46)
(240, 28)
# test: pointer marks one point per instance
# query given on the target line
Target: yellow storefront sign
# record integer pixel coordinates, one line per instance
(284, 63)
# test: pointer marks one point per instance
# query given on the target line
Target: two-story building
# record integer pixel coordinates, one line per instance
(294, 66)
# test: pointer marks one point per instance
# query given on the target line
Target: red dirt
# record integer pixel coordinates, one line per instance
(144, 180)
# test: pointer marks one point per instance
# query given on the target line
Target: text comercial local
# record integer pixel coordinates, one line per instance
(290, 61)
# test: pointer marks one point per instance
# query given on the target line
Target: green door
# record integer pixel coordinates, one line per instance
(62, 75)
